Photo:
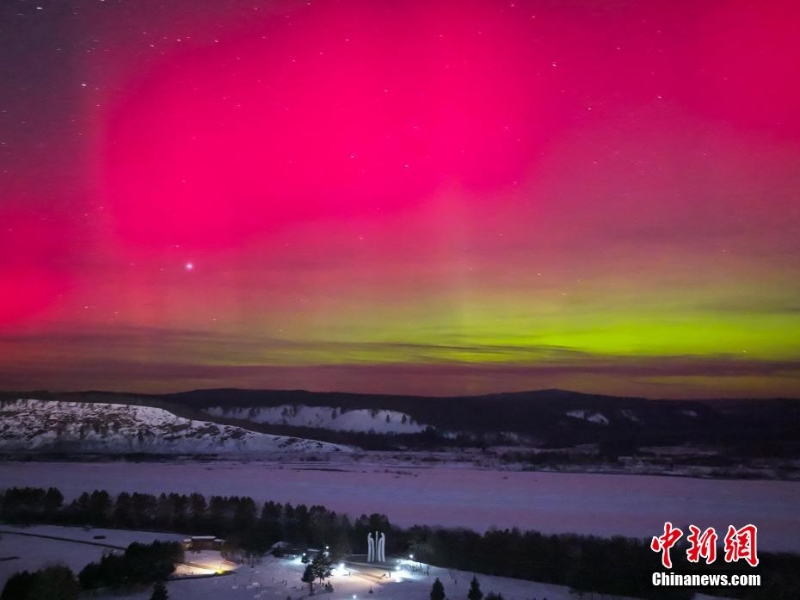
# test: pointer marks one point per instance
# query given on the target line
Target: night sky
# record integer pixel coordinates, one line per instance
(432, 197)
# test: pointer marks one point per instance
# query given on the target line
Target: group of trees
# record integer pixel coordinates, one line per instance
(615, 566)
(139, 564)
(30, 505)
(621, 566)
(52, 583)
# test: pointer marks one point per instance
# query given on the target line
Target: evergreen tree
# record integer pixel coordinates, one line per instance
(475, 592)
(437, 590)
(197, 512)
(53, 501)
(159, 591)
(99, 509)
(123, 511)
(321, 566)
(309, 577)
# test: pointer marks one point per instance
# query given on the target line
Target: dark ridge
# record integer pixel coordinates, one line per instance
(536, 418)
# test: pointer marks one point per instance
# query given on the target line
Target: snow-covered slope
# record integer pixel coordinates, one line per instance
(324, 417)
(592, 417)
(121, 428)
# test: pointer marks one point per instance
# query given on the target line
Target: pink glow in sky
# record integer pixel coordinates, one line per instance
(421, 197)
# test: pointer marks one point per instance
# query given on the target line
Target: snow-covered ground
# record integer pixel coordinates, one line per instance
(324, 417)
(273, 578)
(606, 505)
(279, 579)
(37, 552)
(204, 562)
(120, 428)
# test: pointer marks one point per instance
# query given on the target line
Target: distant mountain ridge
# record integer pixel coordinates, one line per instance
(78, 427)
(544, 418)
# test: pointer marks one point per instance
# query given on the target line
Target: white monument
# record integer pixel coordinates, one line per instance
(381, 547)
(376, 547)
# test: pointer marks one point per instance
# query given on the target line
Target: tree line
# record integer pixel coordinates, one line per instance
(248, 528)
(617, 565)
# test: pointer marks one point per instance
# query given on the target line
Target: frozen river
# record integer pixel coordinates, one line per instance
(603, 505)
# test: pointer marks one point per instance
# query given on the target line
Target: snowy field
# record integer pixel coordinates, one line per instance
(279, 579)
(36, 552)
(605, 505)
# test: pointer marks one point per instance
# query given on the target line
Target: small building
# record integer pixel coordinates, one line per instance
(203, 542)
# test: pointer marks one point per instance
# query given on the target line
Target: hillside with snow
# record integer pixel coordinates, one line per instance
(324, 417)
(76, 427)
(249, 420)
(592, 417)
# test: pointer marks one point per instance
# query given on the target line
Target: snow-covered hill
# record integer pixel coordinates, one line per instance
(324, 417)
(120, 428)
